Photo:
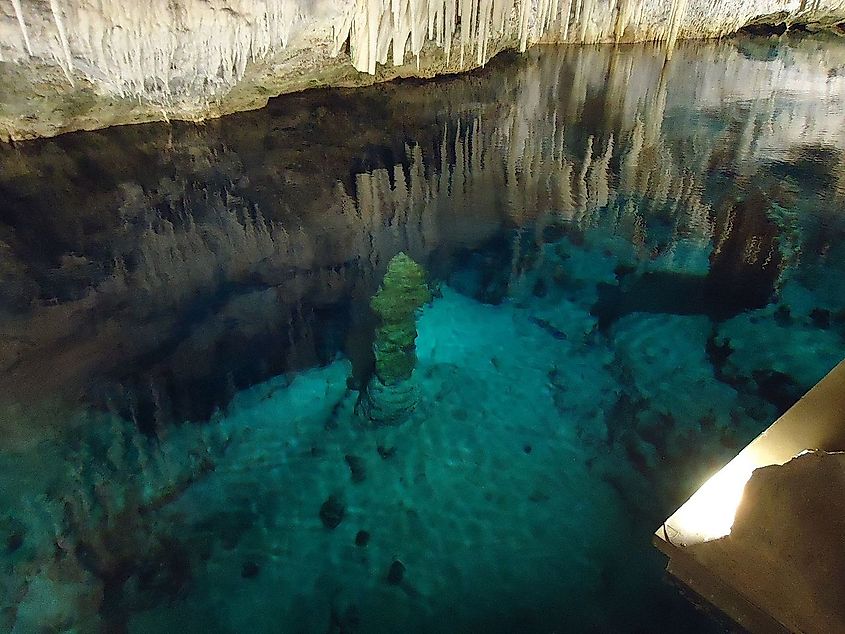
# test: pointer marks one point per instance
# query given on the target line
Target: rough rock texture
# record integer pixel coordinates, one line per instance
(392, 395)
(785, 550)
(81, 64)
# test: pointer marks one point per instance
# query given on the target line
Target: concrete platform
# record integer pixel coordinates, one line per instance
(763, 541)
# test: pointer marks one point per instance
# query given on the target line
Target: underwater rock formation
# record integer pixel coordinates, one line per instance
(402, 294)
(74, 65)
(95, 545)
(391, 395)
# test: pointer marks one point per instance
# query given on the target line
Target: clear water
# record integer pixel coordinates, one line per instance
(636, 265)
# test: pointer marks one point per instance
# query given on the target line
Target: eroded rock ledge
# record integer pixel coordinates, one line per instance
(80, 64)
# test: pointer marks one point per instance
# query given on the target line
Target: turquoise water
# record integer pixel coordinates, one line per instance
(635, 266)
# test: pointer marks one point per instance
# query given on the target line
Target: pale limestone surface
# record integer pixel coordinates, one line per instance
(86, 64)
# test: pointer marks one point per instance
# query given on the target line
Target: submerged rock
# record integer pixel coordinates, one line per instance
(362, 538)
(356, 467)
(389, 405)
(396, 573)
(386, 452)
(332, 512)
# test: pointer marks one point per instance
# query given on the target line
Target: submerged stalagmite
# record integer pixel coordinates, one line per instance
(391, 395)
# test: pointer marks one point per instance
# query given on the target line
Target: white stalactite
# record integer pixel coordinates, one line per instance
(66, 60)
(371, 27)
(184, 55)
(158, 51)
(16, 5)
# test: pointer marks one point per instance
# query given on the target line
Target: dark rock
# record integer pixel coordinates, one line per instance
(13, 533)
(528, 449)
(718, 355)
(782, 316)
(707, 422)
(545, 325)
(386, 452)
(164, 576)
(356, 467)
(332, 512)
(540, 288)
(396, 573)
(362, 538)
(460, 414)
(764, 28)
(736, 282)
(538, 496)
(621, 270)
(13, 542)
(478, 272)
(250, 570)
(778, 388)
(821, 318)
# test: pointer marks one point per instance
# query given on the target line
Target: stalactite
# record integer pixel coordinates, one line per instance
(598, 177)
(375, 26)
(188, 53)
(67, 65)
(679, 8)
(16, 5)
(163, 51)
(581, 187)
(565, 20)
(623, 17)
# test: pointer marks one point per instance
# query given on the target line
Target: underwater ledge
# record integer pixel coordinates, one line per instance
(77, 68)
(761, 541)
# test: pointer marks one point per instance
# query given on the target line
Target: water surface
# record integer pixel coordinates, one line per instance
(636, 267)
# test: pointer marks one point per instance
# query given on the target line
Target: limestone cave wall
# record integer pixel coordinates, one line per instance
(89, 64)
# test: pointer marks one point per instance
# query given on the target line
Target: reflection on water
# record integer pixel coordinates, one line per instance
(610, 236)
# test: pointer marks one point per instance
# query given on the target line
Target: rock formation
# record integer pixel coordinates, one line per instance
(84, 65)
(391, 395)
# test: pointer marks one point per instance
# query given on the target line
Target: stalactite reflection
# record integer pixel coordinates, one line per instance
(179, 256)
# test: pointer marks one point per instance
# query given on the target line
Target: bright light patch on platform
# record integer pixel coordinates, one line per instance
(815, 422)
(709, 513)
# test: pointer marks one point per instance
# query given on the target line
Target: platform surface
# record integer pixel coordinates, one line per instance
(768, 550)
